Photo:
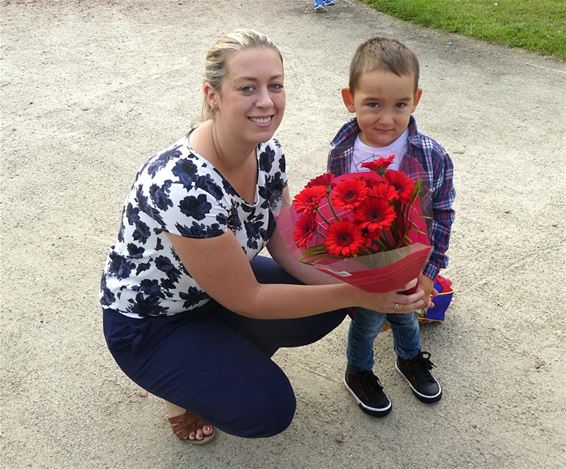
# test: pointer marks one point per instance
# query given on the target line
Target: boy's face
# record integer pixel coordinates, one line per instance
(383, 103)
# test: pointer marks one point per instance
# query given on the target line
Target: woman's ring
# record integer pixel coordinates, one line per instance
(396, 306)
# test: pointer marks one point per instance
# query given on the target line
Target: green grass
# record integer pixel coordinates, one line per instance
(535, 25)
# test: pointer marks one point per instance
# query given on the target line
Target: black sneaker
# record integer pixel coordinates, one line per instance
(367, 391)
(417, 373)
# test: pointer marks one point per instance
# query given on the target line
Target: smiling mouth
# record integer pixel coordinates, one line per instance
(261, 120)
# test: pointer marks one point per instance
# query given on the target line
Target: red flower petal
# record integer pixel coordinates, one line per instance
(343, 238)
(349, 192)
(369, 238)
(379, 165)
(402, 184)
(322, 180)
(305, 229)
(309, 198)
(371, 179)
(375, 214)
(385, 191)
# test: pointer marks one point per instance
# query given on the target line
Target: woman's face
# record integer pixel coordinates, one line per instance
(251, 101)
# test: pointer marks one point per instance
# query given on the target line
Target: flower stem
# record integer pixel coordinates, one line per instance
(331, 207)
(322, 216)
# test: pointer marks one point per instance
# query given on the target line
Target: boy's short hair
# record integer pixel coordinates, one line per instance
(380, 53)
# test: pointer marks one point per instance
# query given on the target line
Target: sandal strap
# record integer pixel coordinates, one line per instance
(185, 424)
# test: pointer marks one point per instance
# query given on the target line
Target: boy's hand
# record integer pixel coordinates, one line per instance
(427, 285)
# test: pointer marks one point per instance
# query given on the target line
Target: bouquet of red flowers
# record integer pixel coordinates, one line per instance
(364, 228)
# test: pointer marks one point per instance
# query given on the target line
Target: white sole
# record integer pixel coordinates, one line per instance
(360, 403)
(424, 397)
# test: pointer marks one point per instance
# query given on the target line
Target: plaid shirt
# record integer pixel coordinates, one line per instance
(426, 160)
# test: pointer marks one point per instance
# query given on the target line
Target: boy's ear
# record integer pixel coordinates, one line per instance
(417, 98)
(348, 99)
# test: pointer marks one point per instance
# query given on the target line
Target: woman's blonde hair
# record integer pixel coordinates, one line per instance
(215, 63)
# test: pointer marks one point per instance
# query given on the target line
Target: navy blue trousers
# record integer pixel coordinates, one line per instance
(218, 363)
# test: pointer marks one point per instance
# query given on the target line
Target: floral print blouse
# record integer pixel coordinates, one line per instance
(180, 192)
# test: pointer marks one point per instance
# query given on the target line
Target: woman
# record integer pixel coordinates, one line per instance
(191, 313)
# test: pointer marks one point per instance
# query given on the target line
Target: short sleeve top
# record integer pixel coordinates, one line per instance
(180, 192)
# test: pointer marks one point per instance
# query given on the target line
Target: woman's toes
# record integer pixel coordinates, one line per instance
(207, 430)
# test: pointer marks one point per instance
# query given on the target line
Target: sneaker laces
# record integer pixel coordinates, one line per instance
(423, 365)
(424, 358)
(368, 378)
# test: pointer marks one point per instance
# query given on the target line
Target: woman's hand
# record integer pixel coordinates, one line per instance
(394, 302)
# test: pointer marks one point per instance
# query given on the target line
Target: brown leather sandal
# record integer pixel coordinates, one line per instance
(183, 425)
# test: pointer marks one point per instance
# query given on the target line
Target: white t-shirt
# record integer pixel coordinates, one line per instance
(363, 153)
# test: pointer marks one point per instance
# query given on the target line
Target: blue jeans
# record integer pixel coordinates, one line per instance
(367, 324)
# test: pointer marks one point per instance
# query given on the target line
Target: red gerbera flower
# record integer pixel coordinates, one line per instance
(369, 239)
(370, 178)
(380, 165)
(402, 184)
(343, 238)
(322, 180)
(305, 229)
(385, 191)
(348, 193)
(309, 198)
(375, 214)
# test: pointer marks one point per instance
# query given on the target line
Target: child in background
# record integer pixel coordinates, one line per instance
(383, 92)
(320, 4)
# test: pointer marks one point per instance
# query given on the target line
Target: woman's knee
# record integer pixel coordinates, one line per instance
(262, 414)
(274, 418)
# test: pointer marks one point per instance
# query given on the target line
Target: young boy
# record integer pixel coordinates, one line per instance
(383, 92)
